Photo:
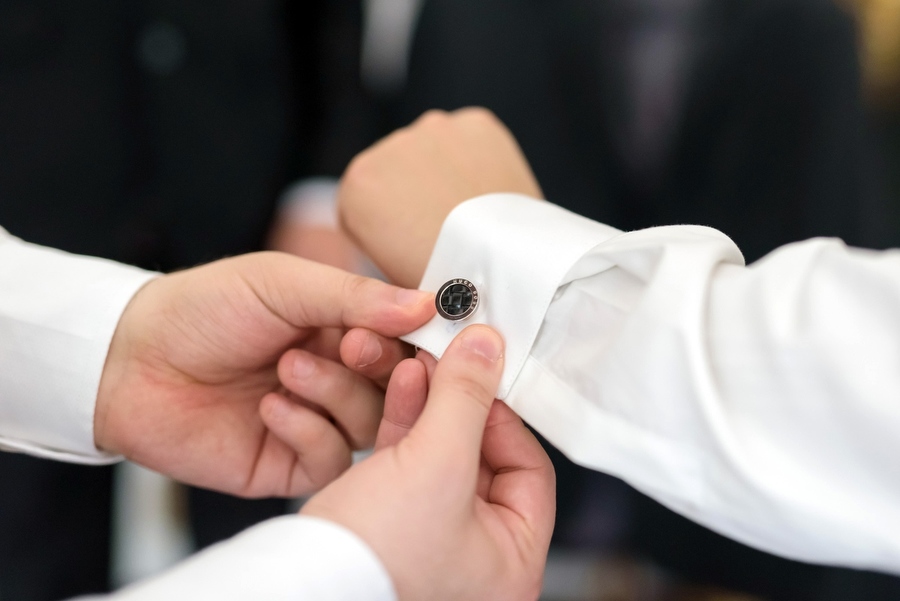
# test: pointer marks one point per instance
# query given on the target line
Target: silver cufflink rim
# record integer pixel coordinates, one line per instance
(465, 314)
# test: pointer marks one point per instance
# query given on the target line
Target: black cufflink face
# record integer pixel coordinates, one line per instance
(457, 299)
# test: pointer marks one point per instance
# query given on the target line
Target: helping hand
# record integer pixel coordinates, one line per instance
(459, 502)
(195, 351)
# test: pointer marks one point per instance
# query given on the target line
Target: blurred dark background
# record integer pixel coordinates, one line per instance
(164, 133)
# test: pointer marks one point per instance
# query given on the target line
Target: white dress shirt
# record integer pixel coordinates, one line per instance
(761, 401)
(58, 313)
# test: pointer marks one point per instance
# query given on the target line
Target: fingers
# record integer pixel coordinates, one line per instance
(320, 452)
(307, 294)
(485, 139)
(428, 361)
(352, 400)
(325, 342)
(373, 355)
(461, 394)
(403, 402)
(524, 480)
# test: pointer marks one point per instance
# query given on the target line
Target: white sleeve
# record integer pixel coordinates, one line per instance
(290, 558)
(761, 401)
(58, 313)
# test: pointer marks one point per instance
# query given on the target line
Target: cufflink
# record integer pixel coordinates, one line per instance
(456, 300)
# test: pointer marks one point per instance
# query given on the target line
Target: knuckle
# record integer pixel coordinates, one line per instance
(356, 297)
(432, 118)
(334, 387)
(329, 467)
(354, 288)
(402, 141)
(474, 390)
(357, 171)
(362, 412)
(480, 115)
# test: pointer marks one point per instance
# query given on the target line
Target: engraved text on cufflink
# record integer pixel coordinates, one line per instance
(457, 299)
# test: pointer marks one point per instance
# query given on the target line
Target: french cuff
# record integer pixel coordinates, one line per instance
(517, 251)
(285, 558)
(58, 314)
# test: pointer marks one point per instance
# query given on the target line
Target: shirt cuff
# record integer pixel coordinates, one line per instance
(285, 558)
(517, 251)
(312, 202)
(58, 313)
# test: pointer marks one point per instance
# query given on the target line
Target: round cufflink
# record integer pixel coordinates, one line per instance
(457, 299)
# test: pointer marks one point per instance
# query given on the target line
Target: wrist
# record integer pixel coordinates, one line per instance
(113, 386)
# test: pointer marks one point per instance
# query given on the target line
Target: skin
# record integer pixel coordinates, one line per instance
(458, 500)
(315, 242)
(190, 387)
(394, 196)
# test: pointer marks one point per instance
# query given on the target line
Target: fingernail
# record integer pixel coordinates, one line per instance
(370, 353)
(484, 341)
(303, 367)
(408, 298)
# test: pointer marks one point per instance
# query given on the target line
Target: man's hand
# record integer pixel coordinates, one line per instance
(316, 242)
(394, 196)
(195, 351)
(458, 503)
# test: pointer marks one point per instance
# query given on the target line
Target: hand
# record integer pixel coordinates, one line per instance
(460, 502)
(394, 196)
(195, 351)
(316, 242)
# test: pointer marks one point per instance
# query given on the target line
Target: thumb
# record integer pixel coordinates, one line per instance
(308, 294)
(461, 394)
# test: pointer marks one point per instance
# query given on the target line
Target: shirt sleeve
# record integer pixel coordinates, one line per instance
(58, 313)
(760, 401)
(290, 558)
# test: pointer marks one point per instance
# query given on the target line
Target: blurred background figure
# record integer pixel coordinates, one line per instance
(772, 120)
(161, 134)
(164, 134)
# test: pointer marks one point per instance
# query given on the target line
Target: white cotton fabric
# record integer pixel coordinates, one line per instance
(58, 313)
(515, 282)
(289, 558)
(761, 401)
